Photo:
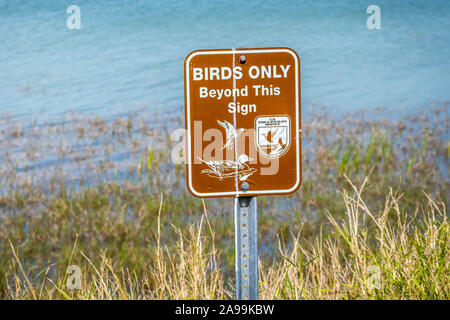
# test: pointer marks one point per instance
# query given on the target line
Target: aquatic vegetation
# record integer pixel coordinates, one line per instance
(105, 196)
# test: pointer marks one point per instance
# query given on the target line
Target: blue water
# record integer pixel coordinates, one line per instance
(129, 54)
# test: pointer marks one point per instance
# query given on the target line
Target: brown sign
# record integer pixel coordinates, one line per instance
(243, 122)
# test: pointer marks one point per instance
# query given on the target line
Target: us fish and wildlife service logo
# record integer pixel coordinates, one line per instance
(272, 135)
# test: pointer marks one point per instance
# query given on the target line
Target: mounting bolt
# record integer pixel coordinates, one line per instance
(245, 186)
(242, 59)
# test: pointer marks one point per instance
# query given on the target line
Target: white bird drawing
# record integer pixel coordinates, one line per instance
(229, 168)
(231, 133)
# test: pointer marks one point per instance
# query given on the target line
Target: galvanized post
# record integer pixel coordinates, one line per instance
(246, 246)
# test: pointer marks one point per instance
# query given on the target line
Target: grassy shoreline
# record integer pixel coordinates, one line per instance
(374, 193)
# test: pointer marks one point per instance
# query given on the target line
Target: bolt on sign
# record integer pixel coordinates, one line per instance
(243, 122)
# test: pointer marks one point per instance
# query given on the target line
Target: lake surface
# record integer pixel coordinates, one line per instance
(129, 55)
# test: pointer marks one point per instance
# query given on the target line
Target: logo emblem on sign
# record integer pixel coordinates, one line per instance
(272, 135)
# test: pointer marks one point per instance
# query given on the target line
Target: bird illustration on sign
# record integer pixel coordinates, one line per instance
(231, 133)
(229, 168)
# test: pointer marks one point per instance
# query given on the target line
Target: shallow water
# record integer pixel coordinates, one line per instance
(129, 55)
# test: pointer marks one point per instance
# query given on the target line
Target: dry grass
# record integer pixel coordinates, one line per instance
(411, 252)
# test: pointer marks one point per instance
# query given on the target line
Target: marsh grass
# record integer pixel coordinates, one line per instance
(104, 195)
(411, 252)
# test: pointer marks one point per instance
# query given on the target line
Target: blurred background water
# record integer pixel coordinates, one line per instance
(129, 55)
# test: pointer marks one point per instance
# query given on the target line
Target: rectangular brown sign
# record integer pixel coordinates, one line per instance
(243, 122)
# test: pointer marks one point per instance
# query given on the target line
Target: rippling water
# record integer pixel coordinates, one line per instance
(129, 54)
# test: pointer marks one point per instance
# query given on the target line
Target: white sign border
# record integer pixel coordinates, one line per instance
(188, 120)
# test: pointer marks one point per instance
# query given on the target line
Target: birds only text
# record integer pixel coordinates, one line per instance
(227, 73)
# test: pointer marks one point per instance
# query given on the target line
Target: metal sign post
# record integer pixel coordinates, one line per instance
(246, 246)
(243, 137)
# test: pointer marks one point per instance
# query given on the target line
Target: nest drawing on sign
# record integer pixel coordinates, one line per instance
(221, 169)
